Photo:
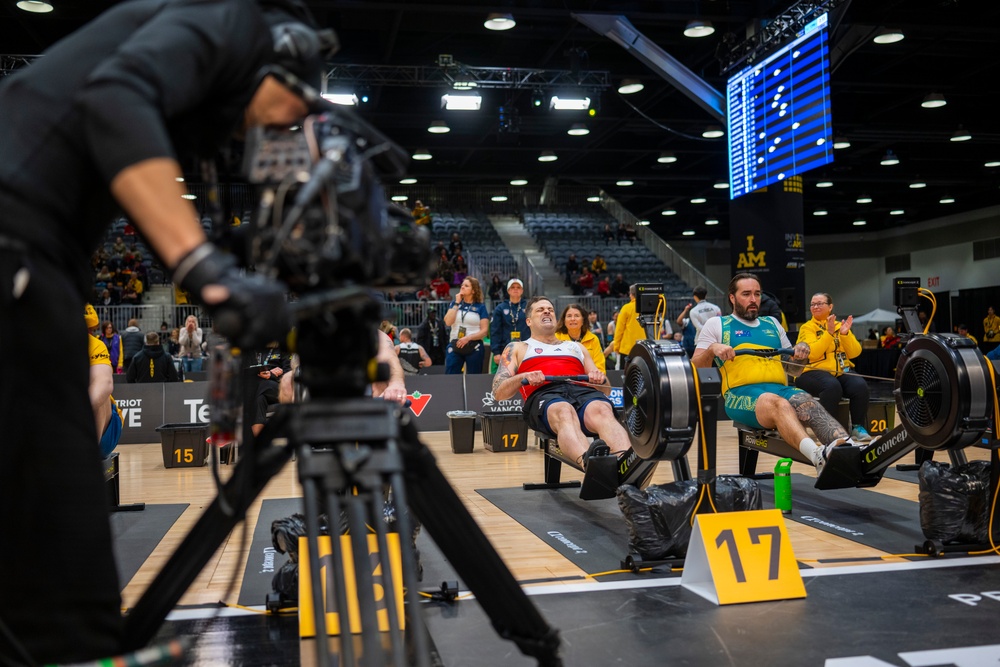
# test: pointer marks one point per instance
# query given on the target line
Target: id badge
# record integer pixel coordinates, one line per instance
(515, 335)
(461, 332)
(841, 361)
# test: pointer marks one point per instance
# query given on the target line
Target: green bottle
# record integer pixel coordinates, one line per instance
(783, 485)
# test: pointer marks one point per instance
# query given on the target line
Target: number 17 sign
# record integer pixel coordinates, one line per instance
(738, 557)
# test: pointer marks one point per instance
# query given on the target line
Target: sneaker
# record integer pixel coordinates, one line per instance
(859, 434)
(597, 448)
(820, 455)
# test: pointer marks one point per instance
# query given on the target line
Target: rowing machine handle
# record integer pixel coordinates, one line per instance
(764, 352)
(562, 378)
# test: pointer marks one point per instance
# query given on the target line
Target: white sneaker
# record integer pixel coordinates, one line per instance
(822, 453)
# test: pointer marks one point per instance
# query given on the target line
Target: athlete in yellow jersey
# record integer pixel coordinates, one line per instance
(755, 389)
(107, 416)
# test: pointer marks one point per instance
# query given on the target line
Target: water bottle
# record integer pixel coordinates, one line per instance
(783, 485)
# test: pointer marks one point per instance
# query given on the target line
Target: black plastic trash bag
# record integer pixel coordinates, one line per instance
(955, 502)
(659, 517)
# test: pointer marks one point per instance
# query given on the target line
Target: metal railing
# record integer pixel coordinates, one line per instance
(150, 317)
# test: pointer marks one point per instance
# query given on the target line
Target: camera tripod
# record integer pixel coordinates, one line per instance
(350, 449)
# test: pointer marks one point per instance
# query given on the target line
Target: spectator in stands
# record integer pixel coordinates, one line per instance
(132, 341)
(461, 268)
(433, 337)
(497, 293)
(619, 288)
(422, 214)
(889, 339)
(412, 356)
(595, 326)
(699, 311)
(573, 325)
(109, 336)
(389, 329)
(132, 295)
(442, 289)
(630, 233)
(173, 344)
(509, 322)
(622, 232)
(151, 363)
(627, 330)
(963, 330)
(585, 283)
(439, 249)
(608, 234)
(455, 246)
(873, 334)
(106, 298)
(599, 265)
(603, 286)
(832, 345)
(104, 275)
(190, 339)
(991, 330)
(569, 411)
(572, 267)
(118, 248)
(470, 324)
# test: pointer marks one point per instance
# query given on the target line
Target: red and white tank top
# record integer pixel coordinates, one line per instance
(562, 358)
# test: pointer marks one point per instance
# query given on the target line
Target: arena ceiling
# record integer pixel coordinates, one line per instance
(393, 52)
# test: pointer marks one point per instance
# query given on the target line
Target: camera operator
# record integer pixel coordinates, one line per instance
(103, 121)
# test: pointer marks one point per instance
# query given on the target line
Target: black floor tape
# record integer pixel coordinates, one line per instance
(136, 534)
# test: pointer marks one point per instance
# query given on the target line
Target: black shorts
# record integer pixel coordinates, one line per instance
(576, 395)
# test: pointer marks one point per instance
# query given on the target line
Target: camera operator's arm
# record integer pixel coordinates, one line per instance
(395, 388)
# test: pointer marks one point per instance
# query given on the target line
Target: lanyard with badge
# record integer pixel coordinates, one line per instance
(514, 317)
(462, 311)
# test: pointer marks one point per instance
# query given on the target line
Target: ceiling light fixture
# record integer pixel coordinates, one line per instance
(188, 195)
(840, 143)
(713, 132)
(464, 83)
(897, 211)
(711, 222)
(820, 212)
(721, 185)
(438, 127)
(934, 101)
(624, 183)
(569, 103)
(35, 6)
(344, 99)
(824, 184)
(687, 232)
(578, 130)
(399, 198)
(946, 200)
(593, 198)
(666, 157)
(421, 154)
(889, 159)
(864, 199)
(961, 134)
(888, 36)
(519, 181)
(498, 21)
(992, 163)
(548, 156)
(698, 200)
(498, 198)
(462, 102)
(668, 211)
(860, 223)
(643, 223)
(698, 28)
(630, 86)
(408, 181)
(916, 185)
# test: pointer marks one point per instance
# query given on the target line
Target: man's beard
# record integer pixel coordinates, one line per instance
(749, 314)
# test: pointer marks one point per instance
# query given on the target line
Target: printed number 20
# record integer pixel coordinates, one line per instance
(727, 538)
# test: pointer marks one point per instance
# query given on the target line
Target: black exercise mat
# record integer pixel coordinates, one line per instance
(135, 535)
(591, 534)
(903, 475)
(867, 517)
(264, 560)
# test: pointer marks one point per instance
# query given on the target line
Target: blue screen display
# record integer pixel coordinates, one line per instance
(779, 113)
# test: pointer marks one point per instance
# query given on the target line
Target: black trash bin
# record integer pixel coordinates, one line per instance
(462, 425)
(183, 445)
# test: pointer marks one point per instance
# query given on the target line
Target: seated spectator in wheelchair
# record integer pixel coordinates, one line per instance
(755, 390)
(570, 411)
(152, 363)
(832, 345)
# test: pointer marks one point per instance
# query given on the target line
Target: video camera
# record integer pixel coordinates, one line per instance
(323, 220)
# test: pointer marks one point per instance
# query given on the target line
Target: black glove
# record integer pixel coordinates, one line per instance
(255, 312)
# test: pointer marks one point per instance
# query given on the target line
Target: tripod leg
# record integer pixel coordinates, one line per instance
(454, 530)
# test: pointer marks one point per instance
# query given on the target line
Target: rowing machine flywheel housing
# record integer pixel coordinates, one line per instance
(661, 407)
(943, 391)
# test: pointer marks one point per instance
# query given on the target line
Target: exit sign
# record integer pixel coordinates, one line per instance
(934, 281)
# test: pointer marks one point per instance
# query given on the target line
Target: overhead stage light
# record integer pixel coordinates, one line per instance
(698, 200)
(698, 28)
(499, 22)
(721, 185)
(421, 154)
(578, 130)
(824, 184)
(548, 156)
(961, 134)
(864, 199)
(399, 198)
(888, 36)
(462, 102)
(668, 211)
(859, 223)
(438, 127)
(408, 181)
(630, 86)
(593, 199)
(934, 101)
(713, 132)
(840, 143)
(569, 103)
(820, 212)
(519, 181)
(666, 157)
(498, 198)
(346, 99)
(35, 6)
(624, 183)
(889, 159)
(897, 211)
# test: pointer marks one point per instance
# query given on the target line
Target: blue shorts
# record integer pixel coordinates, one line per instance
(741, 402)
(112, 433)
(578, 396)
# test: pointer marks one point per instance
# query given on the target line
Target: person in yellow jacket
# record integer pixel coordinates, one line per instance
(627, 330)
(574, 324)
(828, 376)
(107, 415)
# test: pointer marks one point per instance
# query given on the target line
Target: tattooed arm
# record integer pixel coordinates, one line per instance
(507, 381)
(812, 415)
